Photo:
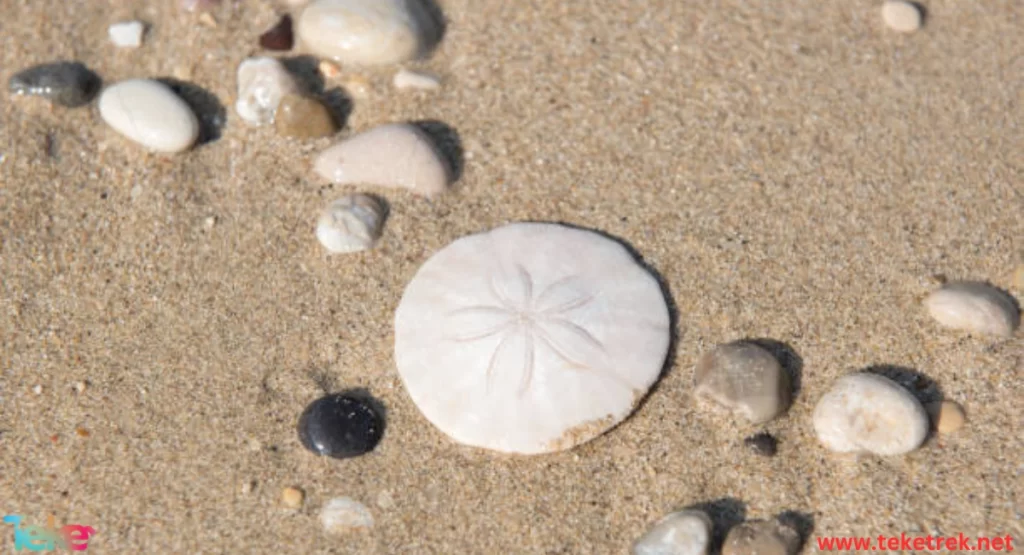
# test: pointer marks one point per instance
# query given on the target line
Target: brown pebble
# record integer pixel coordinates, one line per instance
(280, 36)
(292, 497)
(82, 432)
(303, 118)
(950, 417)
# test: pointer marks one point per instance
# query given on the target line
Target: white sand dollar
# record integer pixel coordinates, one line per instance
(149, 113)
(679, 533)
(870, 413)
(530, 338)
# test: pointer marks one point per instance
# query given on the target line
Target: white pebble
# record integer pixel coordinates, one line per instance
(366, 32)
(394, 155)
(975, 307)
(900, 16)
(406, 79)
(262, 83)
(870, 413)
(149, 113)
(350, 224)
(680, 533)
(126, 34)
(342, 514)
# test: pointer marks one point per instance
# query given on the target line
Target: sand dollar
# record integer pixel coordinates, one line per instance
(530, 338)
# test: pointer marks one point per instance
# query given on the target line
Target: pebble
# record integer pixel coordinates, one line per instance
(761, 537)
(304, 118)
(126, 34)
(280, 36)
(406, 79)
(394, 155)
(745, 379)
(869, 413)
(343, 514)
(900, 16)
(974, 307)
(351, 224)
(292, 497)
(340, 426)
(950, 417)
(680, 533)
(37, 389)
(149, 113)
(763, 444)
(365, 32)
(68, 84)
(262, 84)
(81, 386)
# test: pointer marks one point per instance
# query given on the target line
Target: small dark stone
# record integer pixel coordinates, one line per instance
(279, 37)
(69, 84)
(340, 426)
(763, 444)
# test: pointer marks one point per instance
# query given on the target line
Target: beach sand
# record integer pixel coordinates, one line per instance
(792, 171)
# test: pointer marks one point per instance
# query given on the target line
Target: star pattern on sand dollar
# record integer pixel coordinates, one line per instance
(543, 320)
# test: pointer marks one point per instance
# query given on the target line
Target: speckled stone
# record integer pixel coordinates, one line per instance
(868, 413)
(340, 426)
(745, 379)
(68, 84)
(761, 537)
(302, 117)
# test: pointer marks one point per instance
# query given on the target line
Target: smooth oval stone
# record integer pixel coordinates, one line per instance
(262, 85)
(340, 426)
(900, 16)
(394, 155)
(149, 113)
(744, 378)
(680, 533)
(366, 32)
(302, 117)
(69, 84)
(761, 537)
(870, 413)
(975, 307)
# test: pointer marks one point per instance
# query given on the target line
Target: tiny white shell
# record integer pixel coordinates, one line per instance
(350, 224)
(342, 514)
(975, 307)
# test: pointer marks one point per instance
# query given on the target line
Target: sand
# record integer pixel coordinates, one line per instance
(792, 171)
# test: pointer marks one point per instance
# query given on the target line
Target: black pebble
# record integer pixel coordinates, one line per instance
(340, 426)
(763, 444)
(69, 84)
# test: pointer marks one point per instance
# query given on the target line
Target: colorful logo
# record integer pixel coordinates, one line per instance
(39, 538)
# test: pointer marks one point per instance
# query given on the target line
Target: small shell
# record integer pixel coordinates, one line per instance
(351, 224)
(406, 79)
(342, 514)
(974, 307)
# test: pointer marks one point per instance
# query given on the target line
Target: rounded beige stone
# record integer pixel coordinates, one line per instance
(292, 497)
(975, 307)
(745, 379)
(365, 32)
(761, 537)
(680, 533)
(149, 113)
(903, 17)
(950, 417)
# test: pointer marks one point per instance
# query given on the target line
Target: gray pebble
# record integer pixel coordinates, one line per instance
(745, 379)
(69, 84)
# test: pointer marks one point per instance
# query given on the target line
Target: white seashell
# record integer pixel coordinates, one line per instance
(680, 533)
(870, 413)
(366, 32)
(394, 155)
(744, 378)
(343, 514)
(530, 338)
(262, 83)
(149, 113)
(975, 307)
(350, 224)
(406, 79)
(126, 34)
